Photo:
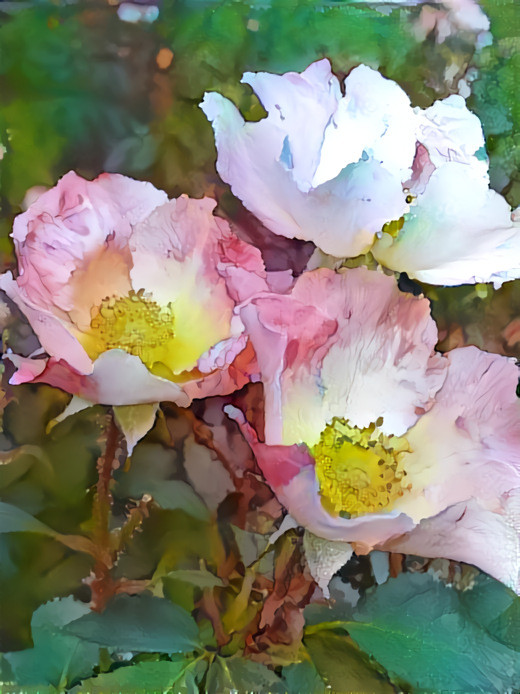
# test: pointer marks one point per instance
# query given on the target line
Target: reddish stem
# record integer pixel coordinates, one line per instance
(102, 585)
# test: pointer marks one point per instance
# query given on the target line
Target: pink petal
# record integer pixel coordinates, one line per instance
(52, 331)
(470, 533)
(468, 444)
(118, 378)
(289, 471)
(345, 344)
(67, 225)
(185, 256)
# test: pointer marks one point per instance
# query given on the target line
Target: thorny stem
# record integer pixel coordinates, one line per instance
(102, 584)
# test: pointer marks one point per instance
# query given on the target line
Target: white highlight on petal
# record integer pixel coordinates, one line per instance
(301, 105)
(375, 121)
(458, 231)
(451, 132)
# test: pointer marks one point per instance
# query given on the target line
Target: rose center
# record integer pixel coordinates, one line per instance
(135, 324)
(359, 470)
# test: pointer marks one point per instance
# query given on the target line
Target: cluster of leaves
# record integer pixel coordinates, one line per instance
(198, 599)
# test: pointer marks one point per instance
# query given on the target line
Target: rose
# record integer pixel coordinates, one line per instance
(346, 170)
(132, 296)
(374, 439)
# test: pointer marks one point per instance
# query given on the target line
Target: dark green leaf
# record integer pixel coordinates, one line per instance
(140, 678)
(302, 677)
(140, 623)
(202, 578)
(343, 666)
(14, 520)
(239, 674)
(422, 631)
(57, 658)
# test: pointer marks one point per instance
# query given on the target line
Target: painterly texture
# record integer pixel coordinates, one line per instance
(320, 482)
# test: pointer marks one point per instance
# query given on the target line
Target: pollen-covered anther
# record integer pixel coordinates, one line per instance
(359, 470)
(134, 323)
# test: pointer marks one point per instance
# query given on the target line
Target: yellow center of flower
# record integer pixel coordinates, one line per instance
(135, 324)
(359, 470)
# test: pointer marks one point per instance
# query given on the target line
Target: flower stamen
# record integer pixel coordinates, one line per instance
(359, 470)
(134, 323)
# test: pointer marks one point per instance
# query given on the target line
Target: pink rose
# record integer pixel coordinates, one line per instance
(374, 439)
(132, 296)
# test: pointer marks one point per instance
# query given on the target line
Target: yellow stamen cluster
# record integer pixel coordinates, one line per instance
(135, 324)
(359, 470)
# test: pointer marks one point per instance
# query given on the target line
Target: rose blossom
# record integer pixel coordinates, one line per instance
(344, 170)
(374, 439)
(132, 295)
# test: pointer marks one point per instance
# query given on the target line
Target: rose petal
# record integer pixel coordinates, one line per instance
(467, 532)
(365, 353)
(458, 231)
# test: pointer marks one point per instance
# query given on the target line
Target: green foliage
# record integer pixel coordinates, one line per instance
(57, 658)
(238, 674)
(67, 637)
(343, 666)
(496, 98)
(14, 520)
(138, 678)
(151, 473)
(437, 638)
(302, 677)
(69, 97)
(142, 623)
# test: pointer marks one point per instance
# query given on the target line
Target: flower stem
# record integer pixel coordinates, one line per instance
(102, 585)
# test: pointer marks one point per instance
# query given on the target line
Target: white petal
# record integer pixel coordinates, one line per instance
(450, 132)
(341, 216)
(459, 231)
(374, 119)
(301, 105)
(120, 378)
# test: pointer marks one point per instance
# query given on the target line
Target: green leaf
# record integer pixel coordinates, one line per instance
(202, 578)
(140, 678)
(302, 677)
(433, 637)
(239, 674)
(343, 666)
(140, 623)
(251, 545)
(14, 520)
(149, 473)
(57, 658)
